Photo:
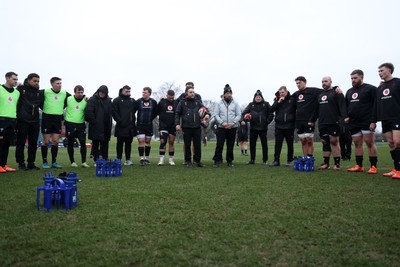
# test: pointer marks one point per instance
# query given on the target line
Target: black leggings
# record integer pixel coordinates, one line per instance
(82, 141)
(100, 147)
(254, 134)
(128, 147)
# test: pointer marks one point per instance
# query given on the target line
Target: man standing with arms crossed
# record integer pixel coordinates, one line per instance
(75, 126)
(8, 118)
(388, 112)
(360, 100)
(166, 115)
(123, 111)
(52, 117)
(28, 123)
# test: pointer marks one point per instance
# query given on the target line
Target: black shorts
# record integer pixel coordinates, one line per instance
(303, 127)
(331, 130)
(169, 130)
(51, 127)
(388, 126)
(146, 130)
(243, 138)
(73, 129)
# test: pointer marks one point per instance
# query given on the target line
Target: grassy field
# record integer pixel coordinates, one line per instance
(249, 215)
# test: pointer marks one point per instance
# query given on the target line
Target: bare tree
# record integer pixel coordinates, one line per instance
(162, 90)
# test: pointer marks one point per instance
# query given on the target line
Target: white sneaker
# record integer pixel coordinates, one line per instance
(128, 162)
(172, 163)
(160, 163)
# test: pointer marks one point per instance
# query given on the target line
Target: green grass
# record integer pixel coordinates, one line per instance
(174, 216)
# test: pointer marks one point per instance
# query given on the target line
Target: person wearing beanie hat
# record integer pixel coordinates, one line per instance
(98, 114)
(227, 115)
(260, 117)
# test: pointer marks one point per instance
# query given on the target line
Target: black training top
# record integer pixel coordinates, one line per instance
(306, 100)
(330, 108)
(166, 113)
(388, 101)
(360, 102)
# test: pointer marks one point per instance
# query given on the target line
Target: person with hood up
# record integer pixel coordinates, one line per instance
(259, 114)
(28, 123)
(285, 120)
(99, 115)
(124, 114)
(227, 115)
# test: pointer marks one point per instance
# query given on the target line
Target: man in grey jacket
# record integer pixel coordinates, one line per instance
(227, 115)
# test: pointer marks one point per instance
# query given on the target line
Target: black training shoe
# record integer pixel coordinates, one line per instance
(251, 162)
(33, 167)
(217, 164)
(188, 164)
(22, 167)
(200, 165)
(142, 162)
(229, 164)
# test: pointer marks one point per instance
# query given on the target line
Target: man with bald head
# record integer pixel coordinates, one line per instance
(330, 109)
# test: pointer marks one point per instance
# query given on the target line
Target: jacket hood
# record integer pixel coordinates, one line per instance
(103, 89)
(28, 86)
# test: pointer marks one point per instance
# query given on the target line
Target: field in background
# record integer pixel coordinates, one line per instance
(174, 216)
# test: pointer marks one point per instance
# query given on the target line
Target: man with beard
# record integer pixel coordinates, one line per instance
(166, 114)
(8, 118)
(227, 115)
(388, 112)
(259, 114)
(125, 129)
(188, 111)
(28, 123)
(330, 109)
(75, 126)
(360, 100)
(285, 118)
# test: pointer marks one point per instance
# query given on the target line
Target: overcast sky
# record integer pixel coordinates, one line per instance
(249, 44)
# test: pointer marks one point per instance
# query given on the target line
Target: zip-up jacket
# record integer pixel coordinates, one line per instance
(188, 110)
(123, 112)
(146, 111)
(30, 100)
(285, 113)
(225, 112)
(261, 115)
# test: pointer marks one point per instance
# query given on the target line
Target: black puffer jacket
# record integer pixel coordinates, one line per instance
(261, 115)
(30, 99)
(285, 113)
(99, 115)
(123, 111)
(188, 109)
